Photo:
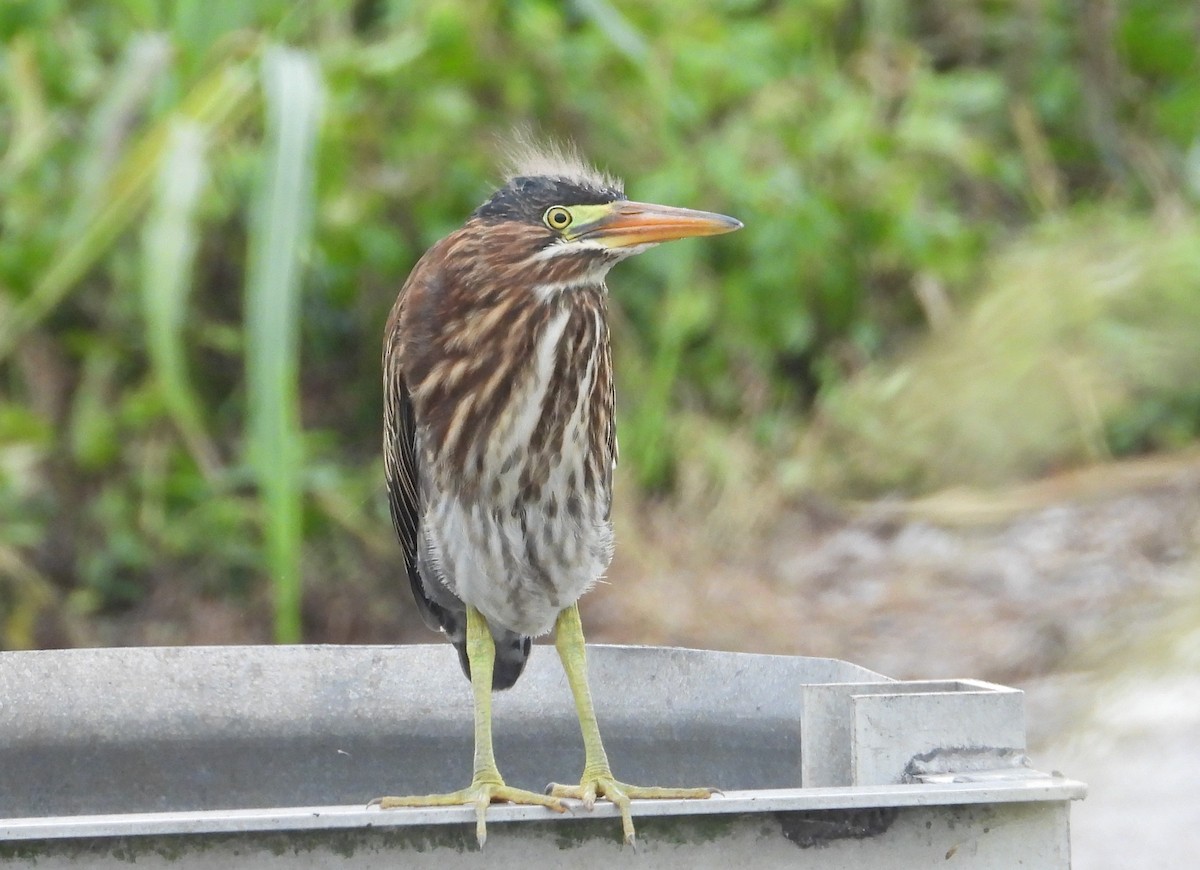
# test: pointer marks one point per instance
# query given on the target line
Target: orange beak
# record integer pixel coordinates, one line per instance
(628, 224)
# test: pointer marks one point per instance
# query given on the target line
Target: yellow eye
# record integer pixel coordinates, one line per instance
(557, 217)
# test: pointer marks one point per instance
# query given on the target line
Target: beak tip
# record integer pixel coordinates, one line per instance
(723, 223)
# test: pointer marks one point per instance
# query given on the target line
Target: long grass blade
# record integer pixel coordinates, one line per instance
(144, 60)
(280, 234)
(169, 241)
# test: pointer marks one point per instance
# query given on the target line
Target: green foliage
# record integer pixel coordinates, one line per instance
(189, 326)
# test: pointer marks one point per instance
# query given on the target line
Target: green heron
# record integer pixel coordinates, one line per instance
(500, 440)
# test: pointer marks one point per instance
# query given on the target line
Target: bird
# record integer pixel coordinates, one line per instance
(500, 440)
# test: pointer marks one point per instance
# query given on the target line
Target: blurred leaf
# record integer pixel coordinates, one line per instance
(280, 235)
(93, 431)
(615, 26)
(26, 594)
(30, 122)
(142, 65)
(169, 240)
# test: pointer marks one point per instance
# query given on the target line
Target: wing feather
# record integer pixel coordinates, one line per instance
(400, 461)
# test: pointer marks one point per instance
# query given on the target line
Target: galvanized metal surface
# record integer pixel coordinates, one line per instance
(867, 733)
(265, 756)
(991, 837)
(158, 729)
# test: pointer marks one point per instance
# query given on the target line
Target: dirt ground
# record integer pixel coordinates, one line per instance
(1038, 580)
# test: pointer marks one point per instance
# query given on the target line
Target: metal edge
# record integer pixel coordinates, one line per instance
(1051, 788)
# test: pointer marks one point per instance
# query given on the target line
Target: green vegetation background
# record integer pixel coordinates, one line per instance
(971, 256)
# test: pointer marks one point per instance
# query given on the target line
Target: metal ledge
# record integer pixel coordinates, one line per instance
(1035, 788)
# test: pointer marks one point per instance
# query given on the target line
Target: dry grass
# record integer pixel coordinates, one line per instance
(1077, 329)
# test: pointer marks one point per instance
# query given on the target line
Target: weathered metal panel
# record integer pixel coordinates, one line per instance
(140, 730)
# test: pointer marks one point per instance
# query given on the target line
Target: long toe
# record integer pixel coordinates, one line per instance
(621, 795)
(478, 795)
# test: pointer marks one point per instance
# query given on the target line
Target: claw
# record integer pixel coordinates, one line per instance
(479, 795)
(622, 795)
(481, 805)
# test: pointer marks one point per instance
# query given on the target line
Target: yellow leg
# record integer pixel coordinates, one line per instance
(487, 786)
(597, 779)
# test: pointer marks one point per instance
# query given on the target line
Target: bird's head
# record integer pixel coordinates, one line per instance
(574, 222)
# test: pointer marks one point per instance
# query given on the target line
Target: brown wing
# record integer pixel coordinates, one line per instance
(400, 459)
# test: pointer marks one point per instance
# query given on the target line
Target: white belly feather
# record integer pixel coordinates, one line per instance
(521, 568)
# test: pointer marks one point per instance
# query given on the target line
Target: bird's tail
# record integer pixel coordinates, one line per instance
(512, 651)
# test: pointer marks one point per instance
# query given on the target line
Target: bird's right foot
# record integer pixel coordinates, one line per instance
(479, 794)
(601, 783)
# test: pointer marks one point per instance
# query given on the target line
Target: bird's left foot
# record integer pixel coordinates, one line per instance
(483, 791)
(603, 784)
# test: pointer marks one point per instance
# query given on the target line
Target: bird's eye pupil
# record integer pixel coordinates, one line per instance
(558, 217)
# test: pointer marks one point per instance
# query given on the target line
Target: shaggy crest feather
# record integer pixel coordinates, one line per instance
(550, 159)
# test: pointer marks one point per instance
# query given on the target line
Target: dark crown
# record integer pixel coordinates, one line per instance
(526, 198)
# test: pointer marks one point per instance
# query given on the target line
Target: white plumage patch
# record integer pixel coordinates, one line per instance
(565, 248)
(613, 256)
(547, 290)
